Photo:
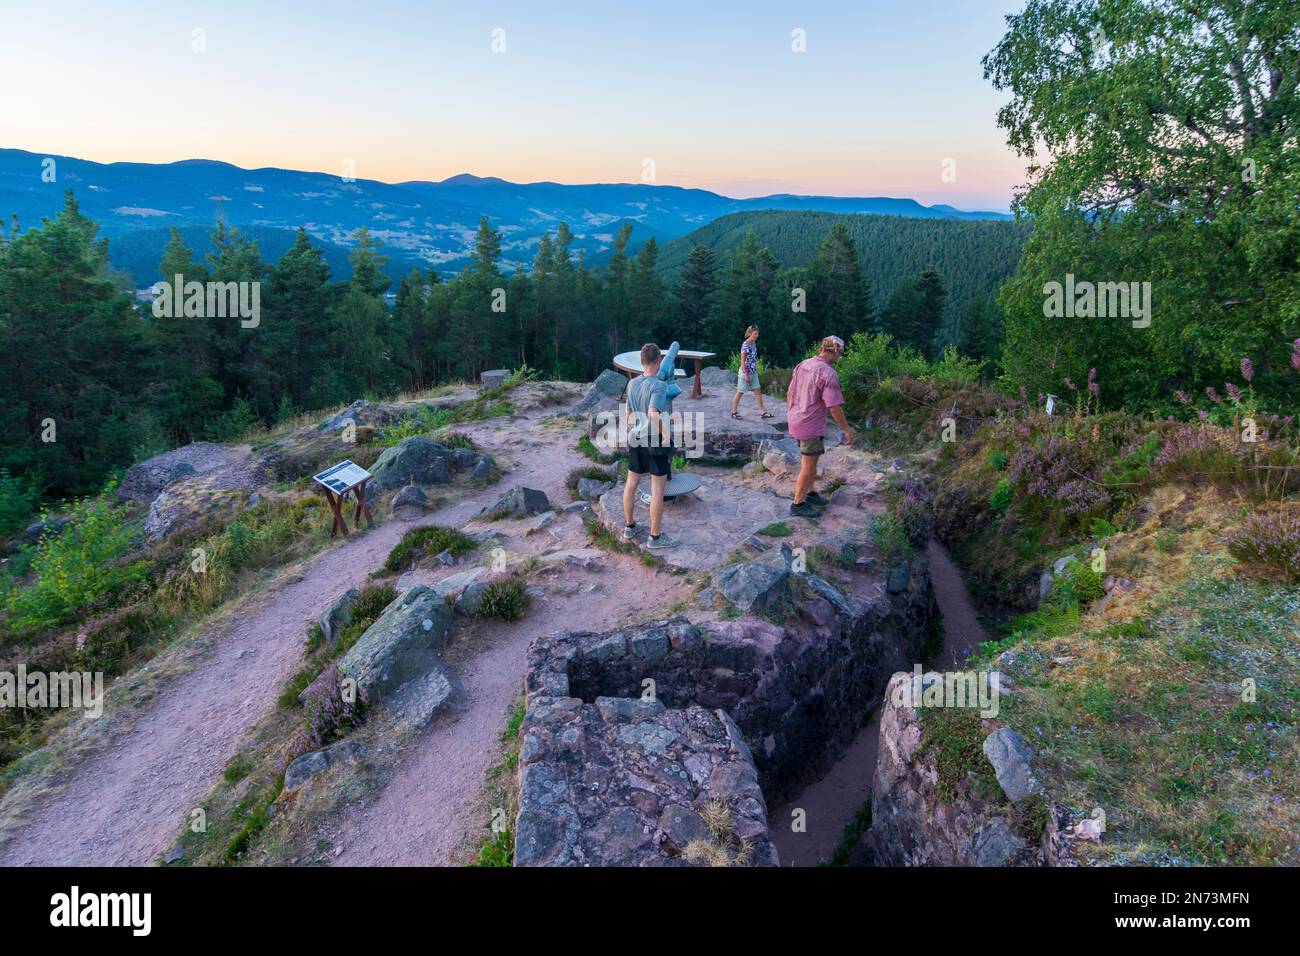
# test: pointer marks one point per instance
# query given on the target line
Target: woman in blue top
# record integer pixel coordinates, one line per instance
(747, 375)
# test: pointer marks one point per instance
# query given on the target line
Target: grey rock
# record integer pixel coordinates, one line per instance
(406, 642)
(425, 697)
(468, 601)
(899, 575)
(542, 521)
(1061, 563)
(577, 507)
(493, 378)
(412, 498)
(182, 469)
(174, 855)
(415, 460)
(1044, 586)
(518, 503)
(779, 456)
(51, 526)
(336, 617)
(590, 488)
(752, 587)
(1011, 758)
(482, 471)
(310, 765)
(360, 412)
(609, 384)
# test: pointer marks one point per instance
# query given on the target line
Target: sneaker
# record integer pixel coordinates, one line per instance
(661, 542)
(629, 532)
(815, 499)
(645, 497)
(804, 510)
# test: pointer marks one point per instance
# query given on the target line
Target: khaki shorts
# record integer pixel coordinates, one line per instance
(813, 446)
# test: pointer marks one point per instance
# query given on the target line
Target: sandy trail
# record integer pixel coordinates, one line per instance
(832, 801)
(122, 806)
(431, 808)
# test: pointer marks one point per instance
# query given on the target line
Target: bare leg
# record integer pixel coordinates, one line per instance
(807, 477)
(735, 402)
(629, 496)
(657, 485)
(758, 394)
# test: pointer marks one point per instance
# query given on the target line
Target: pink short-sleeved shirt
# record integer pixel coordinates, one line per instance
(814, 388)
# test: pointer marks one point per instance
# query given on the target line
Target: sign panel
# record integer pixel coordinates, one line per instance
(339, 478)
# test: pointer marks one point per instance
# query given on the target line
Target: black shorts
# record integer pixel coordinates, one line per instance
(649, 461)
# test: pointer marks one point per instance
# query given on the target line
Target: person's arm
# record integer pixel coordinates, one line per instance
(837, 413)
(658, 405)
(668, 367)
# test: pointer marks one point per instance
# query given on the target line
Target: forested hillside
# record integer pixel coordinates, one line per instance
(974, 256)
(117, 384)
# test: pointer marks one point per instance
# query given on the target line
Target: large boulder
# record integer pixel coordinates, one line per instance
(493, 378)
(403, 645)
(756, 586)
(410, 500)
(415, 460)
(608, 385)
(518, 503)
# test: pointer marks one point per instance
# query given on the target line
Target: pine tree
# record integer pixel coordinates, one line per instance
(839, 301)
(696, 295)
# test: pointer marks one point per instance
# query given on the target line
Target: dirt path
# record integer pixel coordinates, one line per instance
(123, 805)
(832, 802)
(431, 806)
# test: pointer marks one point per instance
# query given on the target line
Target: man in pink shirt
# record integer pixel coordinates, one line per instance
(814, 390)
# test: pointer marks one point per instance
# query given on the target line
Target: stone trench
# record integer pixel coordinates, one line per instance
(661, 744)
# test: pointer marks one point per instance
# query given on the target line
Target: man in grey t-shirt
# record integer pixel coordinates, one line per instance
(649, 442)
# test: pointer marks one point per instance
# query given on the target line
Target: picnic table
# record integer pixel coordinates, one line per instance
(629, 363)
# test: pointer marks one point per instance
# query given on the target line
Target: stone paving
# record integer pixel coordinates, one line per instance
(733, 505)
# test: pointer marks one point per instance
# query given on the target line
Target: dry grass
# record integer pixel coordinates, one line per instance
(723, 848)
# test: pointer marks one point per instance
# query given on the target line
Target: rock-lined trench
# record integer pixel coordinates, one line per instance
(633, 736)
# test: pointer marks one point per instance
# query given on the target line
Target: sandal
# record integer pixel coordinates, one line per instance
(766, 415)
(734, 415)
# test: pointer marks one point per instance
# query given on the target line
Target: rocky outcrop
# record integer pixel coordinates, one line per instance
(915, 822)
(226, 468)
(419, 460)
(628, 782)
(191, 503)
(605, 390)
(398, 662)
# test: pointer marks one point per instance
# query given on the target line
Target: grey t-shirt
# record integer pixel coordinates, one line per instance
(643, 393)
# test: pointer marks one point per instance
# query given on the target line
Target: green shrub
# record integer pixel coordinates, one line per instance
(998, 460)
(17, 502)
(505, 599)
(427, 540)
(1000, 497)
(890, 537)
(76, 567)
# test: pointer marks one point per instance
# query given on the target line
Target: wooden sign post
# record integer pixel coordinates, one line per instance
(337, 482)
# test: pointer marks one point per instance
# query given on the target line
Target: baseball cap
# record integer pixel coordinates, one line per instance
(833, 341)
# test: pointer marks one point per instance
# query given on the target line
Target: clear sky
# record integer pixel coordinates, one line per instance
(711, 91)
